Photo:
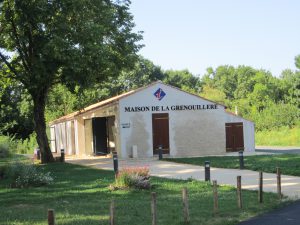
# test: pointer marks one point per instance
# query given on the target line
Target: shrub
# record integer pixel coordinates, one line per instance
(4, 150)
(133, 177)
(276, 116)
(9, 144)
(4, 147)
(26, 146)
(3, 171)
(25, 175)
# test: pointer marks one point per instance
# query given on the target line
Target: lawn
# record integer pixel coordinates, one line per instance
(80, 195)
(288, 163)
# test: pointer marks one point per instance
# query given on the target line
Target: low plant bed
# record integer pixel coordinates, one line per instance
(137, 177)
(289, 164)
(81, 195)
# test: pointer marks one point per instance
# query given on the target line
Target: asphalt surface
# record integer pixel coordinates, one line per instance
(290, 151)
(289, 215)
(280, 150)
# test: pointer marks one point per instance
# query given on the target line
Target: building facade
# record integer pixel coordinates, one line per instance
(136, 123)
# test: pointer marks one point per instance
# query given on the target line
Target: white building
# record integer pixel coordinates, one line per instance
(138, 122)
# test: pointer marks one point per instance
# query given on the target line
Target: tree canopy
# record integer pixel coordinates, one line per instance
(73, 42)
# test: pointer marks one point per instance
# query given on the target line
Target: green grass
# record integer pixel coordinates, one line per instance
(283, 136)
(288, 163)
(80, 195)
(13, 158)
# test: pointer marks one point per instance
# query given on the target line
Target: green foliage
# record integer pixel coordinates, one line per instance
(277, 115)
(75, 43)
(26, 146)
(283, 136)
(213, 94)
(182, 79)
(15, 109)
(18, 146)
(4, 147)
(268, 101)
(60, 102)
(23, 175)
(290, 87)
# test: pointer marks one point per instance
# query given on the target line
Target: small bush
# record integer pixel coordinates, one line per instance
(9, 145)
(133, 177)
(4, 150)
(4, 147)
(3, 171)
(24, 175)
(26, 146)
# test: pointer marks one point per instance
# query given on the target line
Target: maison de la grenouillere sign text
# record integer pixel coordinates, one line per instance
(170, 108)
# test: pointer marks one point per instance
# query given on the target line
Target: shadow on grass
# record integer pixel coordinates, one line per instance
(80, 195)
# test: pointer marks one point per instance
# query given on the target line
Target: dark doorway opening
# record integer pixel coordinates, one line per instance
(234, 137)
(103, 135)
(160, 132)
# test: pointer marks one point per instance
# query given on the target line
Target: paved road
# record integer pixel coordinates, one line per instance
(290, 184)
(272, 149)
(286, 216)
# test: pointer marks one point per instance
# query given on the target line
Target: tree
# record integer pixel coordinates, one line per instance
(213, 94)
(15, 110)
(183, 79)
(60, 102)
(73, 42)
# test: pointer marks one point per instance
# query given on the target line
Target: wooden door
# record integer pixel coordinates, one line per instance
(160, 132)
(100, 135)
(234, 137)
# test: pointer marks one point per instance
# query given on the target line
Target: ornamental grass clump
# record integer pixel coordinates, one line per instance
(133, 177)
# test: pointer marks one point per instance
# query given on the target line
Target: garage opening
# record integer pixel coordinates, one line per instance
(160, 132)
(103, 135)
(234, 137)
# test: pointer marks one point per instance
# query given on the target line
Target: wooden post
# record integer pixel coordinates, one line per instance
(153, 208)
(51, 220)
(239, 192)
(112, 212)
(186, 214)
(260, 187)
(278, 182)
(215, 192)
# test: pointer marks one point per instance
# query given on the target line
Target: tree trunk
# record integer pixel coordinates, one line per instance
(39, 102)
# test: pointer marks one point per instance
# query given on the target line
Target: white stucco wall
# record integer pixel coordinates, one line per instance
(192, 132)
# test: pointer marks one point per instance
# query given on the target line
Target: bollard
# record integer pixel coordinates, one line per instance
(116, 164)
(62, 155)
(160, 153)
(51, 220)
(241, 157)
(207, 170)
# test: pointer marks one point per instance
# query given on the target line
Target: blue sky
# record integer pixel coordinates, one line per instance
(196, 34)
